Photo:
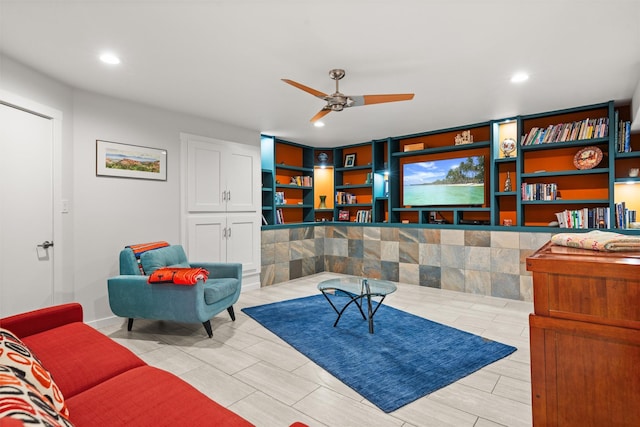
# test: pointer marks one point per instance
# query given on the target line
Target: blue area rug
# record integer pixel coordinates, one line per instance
(406, 358)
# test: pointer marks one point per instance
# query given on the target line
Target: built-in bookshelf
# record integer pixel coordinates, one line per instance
(578, 164)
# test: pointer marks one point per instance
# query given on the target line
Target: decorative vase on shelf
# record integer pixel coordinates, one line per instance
(507, 182)
(323, 204)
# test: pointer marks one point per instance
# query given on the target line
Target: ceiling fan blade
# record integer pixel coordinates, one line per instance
(320, 114)
(305, 88)
(378, 99)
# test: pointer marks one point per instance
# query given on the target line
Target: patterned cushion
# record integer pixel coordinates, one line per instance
(21, 401)
(14, 354)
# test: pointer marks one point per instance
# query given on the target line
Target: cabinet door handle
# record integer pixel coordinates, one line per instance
(229, 235)
(229, 196)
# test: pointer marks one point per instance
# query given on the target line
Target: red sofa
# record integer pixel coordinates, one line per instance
(102, 382)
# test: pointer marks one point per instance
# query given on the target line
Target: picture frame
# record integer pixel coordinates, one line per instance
(343, 215)
(115, 159)
(350, 160)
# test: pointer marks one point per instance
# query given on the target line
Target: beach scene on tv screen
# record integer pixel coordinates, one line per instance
(458, 181)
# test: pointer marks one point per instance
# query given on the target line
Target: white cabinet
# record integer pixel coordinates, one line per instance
(225, 238)
(222, 176)
(221, 203)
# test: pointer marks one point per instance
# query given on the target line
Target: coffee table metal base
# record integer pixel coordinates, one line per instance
(366, 293)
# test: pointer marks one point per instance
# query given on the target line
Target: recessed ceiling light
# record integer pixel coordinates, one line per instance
(519, 77)
(109, 58)
(318, 124)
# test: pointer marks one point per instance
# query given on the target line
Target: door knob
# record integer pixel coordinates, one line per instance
(46, 244)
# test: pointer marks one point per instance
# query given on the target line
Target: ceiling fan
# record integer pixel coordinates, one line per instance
(338, 101)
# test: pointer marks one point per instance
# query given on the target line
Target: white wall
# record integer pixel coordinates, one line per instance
(108, 213)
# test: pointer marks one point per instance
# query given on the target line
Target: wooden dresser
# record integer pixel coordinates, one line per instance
(585, 337)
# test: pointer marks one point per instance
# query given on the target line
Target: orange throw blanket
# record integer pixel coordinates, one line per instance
(178, 275)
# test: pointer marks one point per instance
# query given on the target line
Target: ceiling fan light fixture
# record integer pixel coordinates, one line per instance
(318, 124)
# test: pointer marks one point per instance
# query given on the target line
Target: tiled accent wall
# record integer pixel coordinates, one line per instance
(473, 261)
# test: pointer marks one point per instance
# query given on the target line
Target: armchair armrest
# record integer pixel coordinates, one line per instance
(36, 321)
(218, 270)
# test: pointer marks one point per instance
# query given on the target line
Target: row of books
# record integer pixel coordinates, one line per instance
(624, 215)
(303, 181)
(584, 218)
(345, 198)
(582, 129)
(363, 216)
(623, 138)
(279, 216)
(539, 191)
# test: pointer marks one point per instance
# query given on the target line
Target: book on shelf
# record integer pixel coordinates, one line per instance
(363, 216)
(302, 181)
(539, 191)
(562, 132)
(264, 220)
(584, 218)
(624, 215)
(345, 198)
(623, 141)
(279, 216)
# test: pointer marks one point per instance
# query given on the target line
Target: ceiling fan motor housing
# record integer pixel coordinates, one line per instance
(336, 73)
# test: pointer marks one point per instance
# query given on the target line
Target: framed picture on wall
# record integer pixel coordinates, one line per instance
(350, 160)
(130, 161)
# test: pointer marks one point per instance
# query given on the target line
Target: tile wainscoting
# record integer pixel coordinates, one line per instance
(474, 261)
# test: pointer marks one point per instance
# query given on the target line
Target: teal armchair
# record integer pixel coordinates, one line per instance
(132, 297)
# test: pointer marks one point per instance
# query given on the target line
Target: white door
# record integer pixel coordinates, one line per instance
(207, 238)
(206, 191)
(243, 179)
(243, 240)
(26, 215)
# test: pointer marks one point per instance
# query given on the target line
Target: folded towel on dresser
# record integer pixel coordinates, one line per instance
(598, 241)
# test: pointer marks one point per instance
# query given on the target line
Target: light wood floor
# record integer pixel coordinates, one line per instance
(257, 375)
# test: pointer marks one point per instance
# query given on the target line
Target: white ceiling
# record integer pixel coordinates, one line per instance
(224, 59)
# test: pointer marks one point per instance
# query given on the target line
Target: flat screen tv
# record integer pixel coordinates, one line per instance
(445, 182)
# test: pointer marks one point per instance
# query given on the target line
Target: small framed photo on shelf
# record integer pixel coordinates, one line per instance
(343, 215)
(350, 160)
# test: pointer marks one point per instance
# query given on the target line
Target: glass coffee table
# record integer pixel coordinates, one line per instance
(357, 289)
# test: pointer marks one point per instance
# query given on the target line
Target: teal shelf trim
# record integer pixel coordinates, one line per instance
(566, 202)
(293, 186)
(353, 168)
(442, 208)
(565, 173)
(355, 205)
(346, 187)
(506, 160)
(445, 149)
(293, 206)
(556, 145)
(627, 179)
(293, 168)
(628, 155)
